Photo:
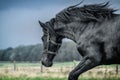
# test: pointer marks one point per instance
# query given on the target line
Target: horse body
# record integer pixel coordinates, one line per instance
(106, 37)
(95, 30)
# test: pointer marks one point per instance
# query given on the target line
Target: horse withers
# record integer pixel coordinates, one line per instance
(94, 28)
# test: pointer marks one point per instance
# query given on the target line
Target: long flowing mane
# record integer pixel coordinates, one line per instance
(86, 13)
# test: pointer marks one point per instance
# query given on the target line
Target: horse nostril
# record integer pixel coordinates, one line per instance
(42, 63)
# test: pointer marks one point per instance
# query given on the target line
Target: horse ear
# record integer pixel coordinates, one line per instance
(43, 25)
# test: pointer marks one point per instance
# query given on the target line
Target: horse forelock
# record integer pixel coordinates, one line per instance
(50, 25)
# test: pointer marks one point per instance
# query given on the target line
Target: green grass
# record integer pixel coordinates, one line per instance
(62, 64)
(41, 78)
(20, 64)
(56, 64)
(28, 78)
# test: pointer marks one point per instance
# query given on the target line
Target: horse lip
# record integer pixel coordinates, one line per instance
(47, 63)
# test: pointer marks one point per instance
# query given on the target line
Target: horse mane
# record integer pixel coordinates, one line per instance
(86, 13)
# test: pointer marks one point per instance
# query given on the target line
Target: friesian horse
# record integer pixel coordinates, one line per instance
(95, 28)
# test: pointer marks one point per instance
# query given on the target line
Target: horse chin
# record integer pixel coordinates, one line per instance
(47, 63)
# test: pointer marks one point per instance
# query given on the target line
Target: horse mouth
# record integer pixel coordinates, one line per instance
(47, 63)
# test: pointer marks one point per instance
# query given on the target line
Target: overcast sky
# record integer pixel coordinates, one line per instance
(19, 18)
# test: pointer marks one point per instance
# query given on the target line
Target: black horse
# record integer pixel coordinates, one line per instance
(94, 28)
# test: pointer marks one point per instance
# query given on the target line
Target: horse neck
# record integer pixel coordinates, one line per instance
(71, 31)
(74, 31)
(67, 34)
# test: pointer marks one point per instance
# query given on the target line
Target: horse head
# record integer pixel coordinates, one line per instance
(51, 43)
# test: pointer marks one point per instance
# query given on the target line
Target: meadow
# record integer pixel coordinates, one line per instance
(41, 78)
(59, 71)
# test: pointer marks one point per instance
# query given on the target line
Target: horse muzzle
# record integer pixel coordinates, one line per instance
(46, 63)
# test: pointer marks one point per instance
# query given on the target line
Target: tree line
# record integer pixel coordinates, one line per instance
(67, 52)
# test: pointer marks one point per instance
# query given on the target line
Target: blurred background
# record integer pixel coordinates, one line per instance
(19, 27)
(19, 18)
(20, 32)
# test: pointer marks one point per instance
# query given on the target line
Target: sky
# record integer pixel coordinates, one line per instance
(19, 18)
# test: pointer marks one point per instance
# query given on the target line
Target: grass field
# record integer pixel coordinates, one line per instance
(26, 64)
(59, 71)
(48, 78)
